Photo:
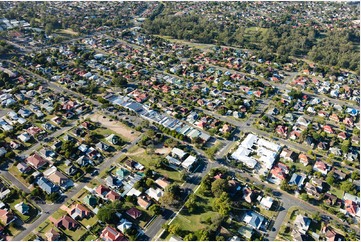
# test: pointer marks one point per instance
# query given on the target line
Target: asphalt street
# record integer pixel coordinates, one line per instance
(50, 209)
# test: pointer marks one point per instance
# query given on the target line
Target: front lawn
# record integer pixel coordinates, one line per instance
(76, 234)
(17, 174)
(337, 192)
(90, 237)
(90, 221)
(58, 214)
(27, 218)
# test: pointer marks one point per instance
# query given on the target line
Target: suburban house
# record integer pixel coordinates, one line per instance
(253, 219)
(52, 235)
(111, 234)
(301, 224)
(22, 208)
(352, 208)
(23, 167)
(112, 196)
(311, 190)
(278, 174)
(90, 200)
(65, 222)
(102, 191)
(6, 217)
(304, 159)
(246, 232)
(267, 202)
(288, 155)
(47, 186)
(321, 166)
(154, 193)
(297, 180)
(36, 161)
(331, 234)
(162, 183)
(248, 195)
(124, 225)
(134, 213)
(143, 202)
(58, 178)
(78, 211)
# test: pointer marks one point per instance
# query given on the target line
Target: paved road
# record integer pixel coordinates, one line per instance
(50, 209)
(14, 181)
(288, 201)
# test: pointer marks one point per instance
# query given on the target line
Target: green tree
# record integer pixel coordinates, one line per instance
(222, 204)
(155, 209)
(330, 178)
(190, 237)
(348, 186)
(219, 186)
(355, 176)
(107, 213)
(173, 229)
(191, 204)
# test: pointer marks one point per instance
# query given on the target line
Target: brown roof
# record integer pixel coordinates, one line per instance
(80, 209)
(101, 190)
(112, 196)
(111, 234)
(134, 213)
(143, 203)
(36, 160)
(162, 183)
(67, 222)
(58, 177)
(52, 235)
(6, 216)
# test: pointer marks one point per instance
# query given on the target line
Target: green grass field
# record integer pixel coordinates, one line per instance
(194, 221)
(142, 157)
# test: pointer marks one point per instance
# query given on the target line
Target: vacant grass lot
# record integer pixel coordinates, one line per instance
(195, 221)
(140, 155)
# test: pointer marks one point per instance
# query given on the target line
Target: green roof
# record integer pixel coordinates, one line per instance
(90, 200)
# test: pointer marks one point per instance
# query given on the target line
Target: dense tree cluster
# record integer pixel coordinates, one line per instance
(331, 47)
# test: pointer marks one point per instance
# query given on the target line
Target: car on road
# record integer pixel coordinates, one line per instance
(95, 172)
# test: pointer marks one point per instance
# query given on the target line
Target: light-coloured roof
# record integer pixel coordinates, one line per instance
(189, 161)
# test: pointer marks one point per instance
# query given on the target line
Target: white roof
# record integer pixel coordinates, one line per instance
(240, 152)
(124, 225)
(154, 193)
(248, 161)
(268, 161)
(348, 196)
(189, 161)
(267, 202)
(138, 166)
(180, 153)
(134, 191)
(249, 141)
(269, 145)
(49, 171)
